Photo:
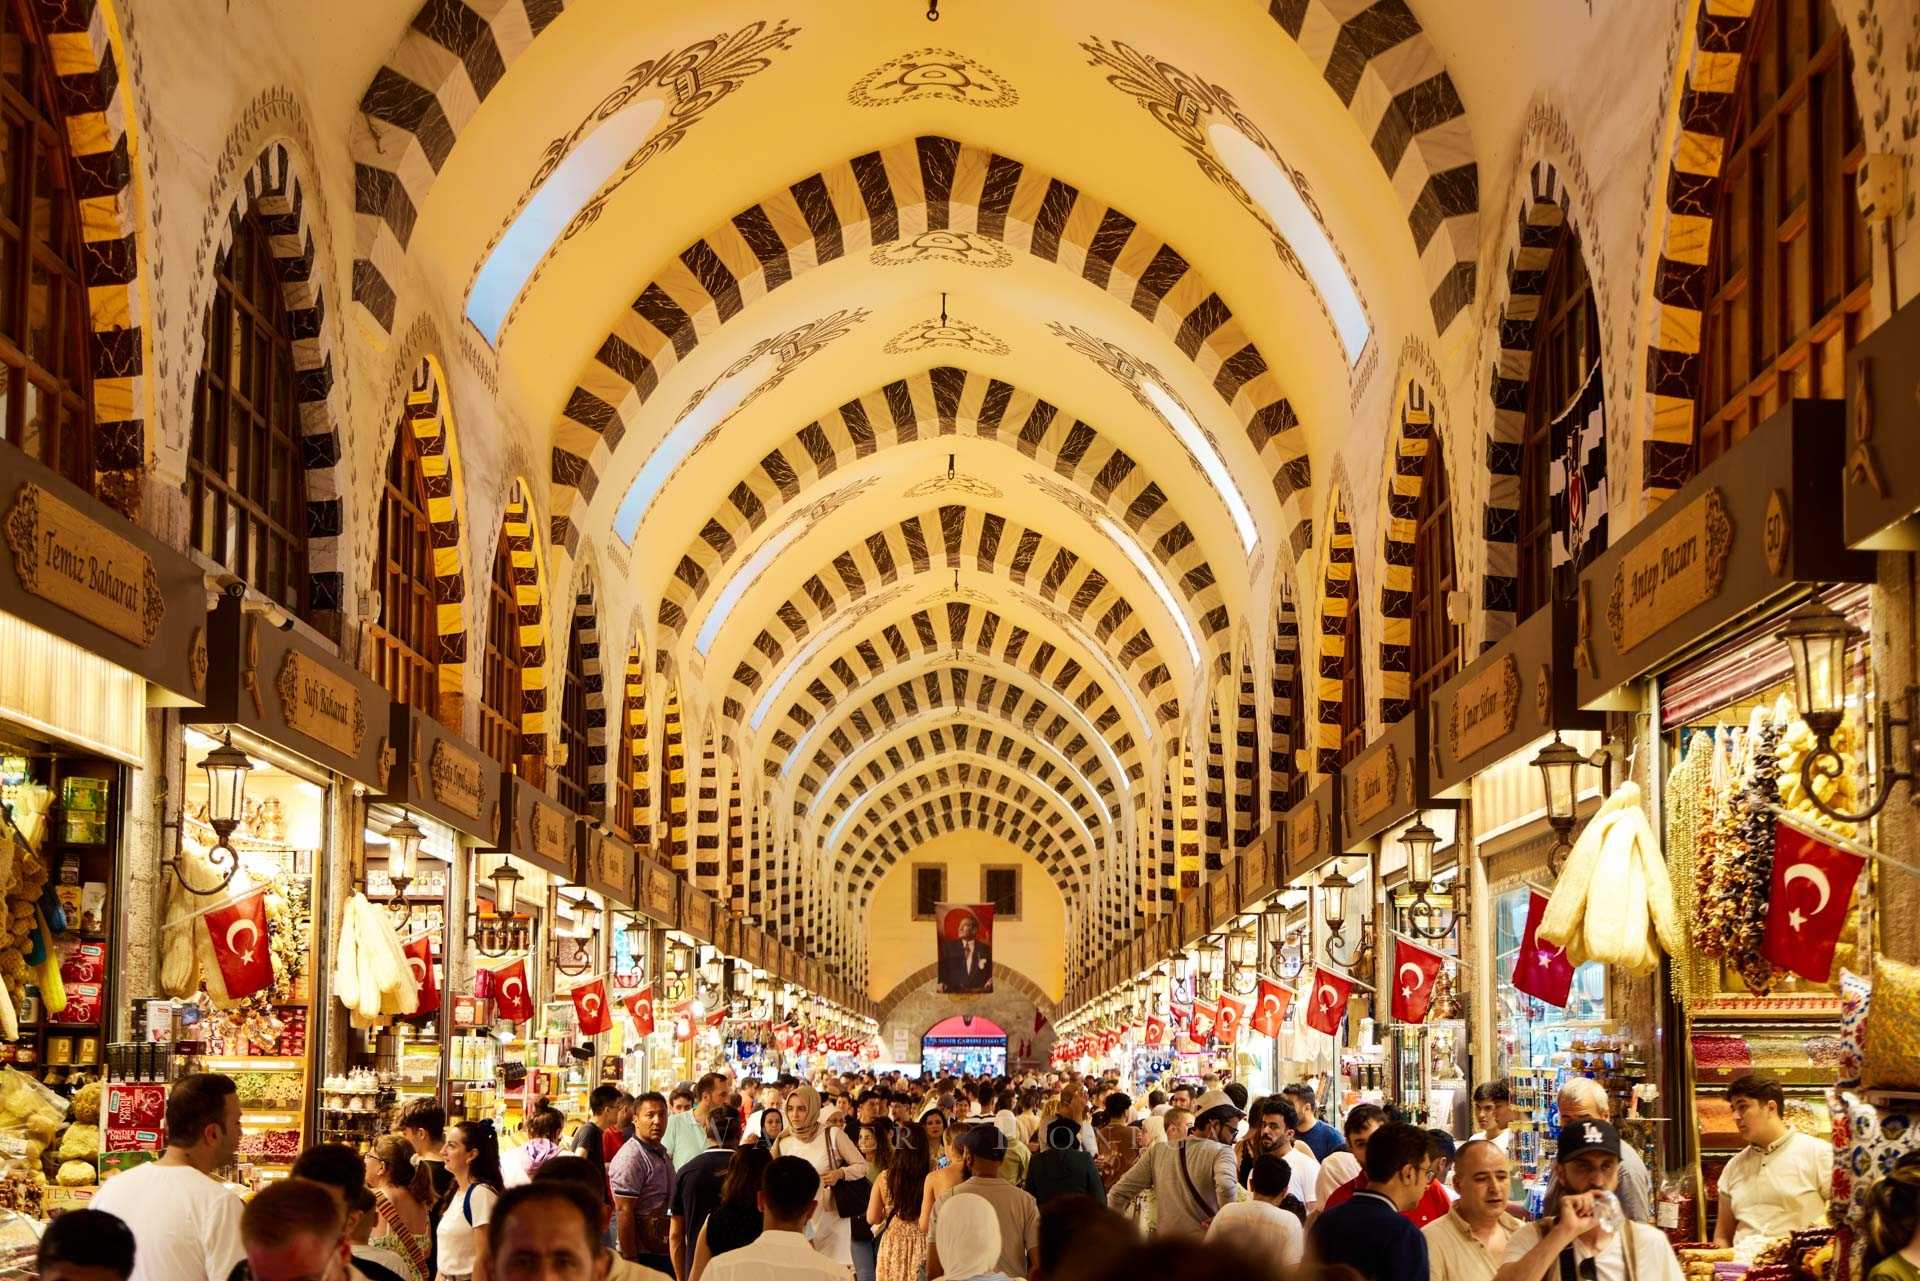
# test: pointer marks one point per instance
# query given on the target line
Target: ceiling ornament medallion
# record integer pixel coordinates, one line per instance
(927, 335)
(693, 80)
(963, 247)
(789, 350)
(932, 75)
(954, 482)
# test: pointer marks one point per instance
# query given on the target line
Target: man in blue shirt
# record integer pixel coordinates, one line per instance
(1321, 1139)
(1371, 1232)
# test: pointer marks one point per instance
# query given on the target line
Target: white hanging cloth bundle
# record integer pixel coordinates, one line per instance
(1614, 901)
(371, 975)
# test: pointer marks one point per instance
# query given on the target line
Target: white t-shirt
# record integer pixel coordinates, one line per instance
(1653, 1257)
(455, 1238)
(1501, 1140)
(1306, 1176)
(186, 1226)
(1260, 1229)
(1776, 1190)
(1339, 1169)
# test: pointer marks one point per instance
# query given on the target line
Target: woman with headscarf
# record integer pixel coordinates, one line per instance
(967, 1240)
(830, 1152)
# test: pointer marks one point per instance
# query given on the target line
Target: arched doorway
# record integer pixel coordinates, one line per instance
(964, 1044)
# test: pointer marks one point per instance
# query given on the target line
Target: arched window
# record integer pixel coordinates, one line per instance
(406, 642)
(1436, 641)
(1788, 270)
(246, 482)
(670, 826)
(571, 784)
(1353, 694)
(501, 685)
(1566, 338)
(1214, 816)
(45, 323)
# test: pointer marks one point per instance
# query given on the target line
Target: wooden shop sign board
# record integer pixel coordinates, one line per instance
(440, 774)
(606, 864)
(696, 913)
(1385, 784)
(1880, 475)
(1311, 832)
(85, 573)
(659, 892)
(1763, 518)
(1515, 694)
(534, 828)
(291, 691)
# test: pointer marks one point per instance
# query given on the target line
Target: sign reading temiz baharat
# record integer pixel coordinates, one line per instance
(75, 562)
(964, 946)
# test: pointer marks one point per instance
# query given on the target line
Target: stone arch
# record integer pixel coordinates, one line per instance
(920, 186)
(671, 821)
(925, 977)
(1246, 751)
(428, 414)
(878, 840)
(1213, 812)
(949, 751)
(929, 817)
(709, 867)
(583, 628)
(1415, 436)
(637, 736)
(1339, 596)
(1286, 717)
(519, 530)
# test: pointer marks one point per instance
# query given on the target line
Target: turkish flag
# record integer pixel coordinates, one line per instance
(1327, 1003)
(1227, 1025)
(1813, 883)
(1541, 970)
(1156, 1030)
(1201, 1026)
(1270, 1008)
(717, 1017)
(511, 997)
(1414, 970)
(240, 944)
(590, 1008)
(420, 960)
(640, 1010)
(1039, 1022)
(683, 1021)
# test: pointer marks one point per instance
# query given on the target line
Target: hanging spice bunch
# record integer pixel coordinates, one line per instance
(1748, 880)
(1689, 785)
(1719, 849)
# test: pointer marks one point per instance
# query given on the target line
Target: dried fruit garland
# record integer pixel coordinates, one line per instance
(1748, 880)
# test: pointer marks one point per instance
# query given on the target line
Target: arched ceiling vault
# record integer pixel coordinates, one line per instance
(945, 398)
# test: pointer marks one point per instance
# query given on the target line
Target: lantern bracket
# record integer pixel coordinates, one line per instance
(1823, 764)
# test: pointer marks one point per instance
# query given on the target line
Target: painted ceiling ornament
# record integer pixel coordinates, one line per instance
(693, 81)
(789, 351)
(926, 335)
(966, 248)
(953, 482)
(932, 75)
(1072, 499)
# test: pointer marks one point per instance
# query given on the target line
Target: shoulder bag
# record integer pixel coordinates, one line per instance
(1186, 1176)
(849, 1195)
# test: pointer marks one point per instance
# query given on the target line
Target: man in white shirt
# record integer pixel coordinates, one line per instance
(1779, 1182)
(1259, 1226)
(185, 1224)
(788, 1193)
(1493, 1112)
(1468, 1242)
(1587, 1222)
(1270, 1133)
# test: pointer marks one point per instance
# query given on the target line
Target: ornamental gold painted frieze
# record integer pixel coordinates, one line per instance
(932, 75)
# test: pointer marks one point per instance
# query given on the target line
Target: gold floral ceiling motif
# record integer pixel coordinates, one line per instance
(963, 247)
(932, 75)
(927, 335)
(954, 483)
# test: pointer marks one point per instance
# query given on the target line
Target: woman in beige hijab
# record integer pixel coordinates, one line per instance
(830, 1152)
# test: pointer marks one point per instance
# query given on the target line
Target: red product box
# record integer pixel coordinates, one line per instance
(134, 1118)
(83, 1005)
(82, 962)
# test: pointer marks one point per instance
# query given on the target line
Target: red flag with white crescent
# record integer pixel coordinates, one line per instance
(240, 944)
(640, 1010)
(683, 1028)
(1156, 1030)
(1415, 969)
(1813, 884)
(1226, 1025)
(1201, 1025)
(419, 955)
(1541, 970)
(1270, 1008)
(1327, 1002)
(511, 997)
(590, 1008)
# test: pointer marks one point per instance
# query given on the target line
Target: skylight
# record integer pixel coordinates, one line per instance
(532, 233)
(708, 413)
(1151, 573)
(1272, 189)
(1211, 463)
(737, 585)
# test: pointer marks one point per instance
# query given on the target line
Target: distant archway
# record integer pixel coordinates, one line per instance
(964, 1044)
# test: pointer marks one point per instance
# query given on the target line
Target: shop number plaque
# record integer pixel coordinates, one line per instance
(64, 557)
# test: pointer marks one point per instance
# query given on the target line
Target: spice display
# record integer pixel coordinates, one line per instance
(1686, 790)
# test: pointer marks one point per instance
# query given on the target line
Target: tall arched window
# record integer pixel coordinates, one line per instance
(670, 826)
(1566, 338)
(1214, 816)
(45, 323)
(1788, 270)
(245, 479)
(406, 642)
(501, 683)
(1436, 641)
(571, 783)
(1353, 694)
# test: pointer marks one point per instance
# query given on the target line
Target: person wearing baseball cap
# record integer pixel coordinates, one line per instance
(1584, 1232)
(1013, 1207)
(1191, 1179)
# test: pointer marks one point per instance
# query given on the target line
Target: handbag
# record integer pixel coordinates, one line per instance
(849, 1195)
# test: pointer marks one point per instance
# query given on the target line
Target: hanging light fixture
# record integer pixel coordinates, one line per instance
(504, 931)
(1336, 899)
(1426, 916)
(403, 859)
(1559, 764)
(227, 768)
(1819, 640)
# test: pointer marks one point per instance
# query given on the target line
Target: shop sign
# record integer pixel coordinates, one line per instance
(606, 864)
(1303, 832)
(458, 779)
(1484, 709)
(1371, 784)
(320, 703)
(548, 837)
(659, 892)
(1663, 577)
(65, 557)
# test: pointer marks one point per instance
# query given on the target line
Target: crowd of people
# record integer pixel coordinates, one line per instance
(893, 1179)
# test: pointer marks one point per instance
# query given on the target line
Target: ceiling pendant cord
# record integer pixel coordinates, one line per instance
(933, 10)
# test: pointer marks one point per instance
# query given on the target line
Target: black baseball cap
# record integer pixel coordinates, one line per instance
(1587, 1136)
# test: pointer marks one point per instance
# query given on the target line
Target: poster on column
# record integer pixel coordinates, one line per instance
(964, 946)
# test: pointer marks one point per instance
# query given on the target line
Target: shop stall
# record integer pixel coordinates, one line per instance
(1680, 623)
(1490, 726)
(288, 733)
(640, 975)
(1349, 1068)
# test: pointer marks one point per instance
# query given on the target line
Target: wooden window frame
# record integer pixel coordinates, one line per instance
(913, 889)
(1019, 890)
(573, 786)
(1566, 335)
(1435, 650)
(502, 684)
(1353, 692)
(406, 639)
